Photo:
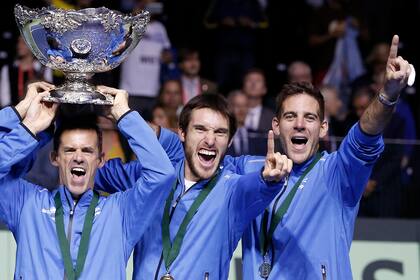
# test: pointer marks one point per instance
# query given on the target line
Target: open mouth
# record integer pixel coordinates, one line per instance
(78, 171)
(206, 156)
(299, 140)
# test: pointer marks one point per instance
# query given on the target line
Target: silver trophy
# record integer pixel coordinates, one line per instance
(80, 43)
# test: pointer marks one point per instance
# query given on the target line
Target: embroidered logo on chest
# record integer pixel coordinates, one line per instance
(50, 212)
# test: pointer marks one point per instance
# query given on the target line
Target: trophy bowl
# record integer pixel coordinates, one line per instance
(80, 43)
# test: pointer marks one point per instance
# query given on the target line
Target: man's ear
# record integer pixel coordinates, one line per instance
(181, 135)
(101, 160)
(275, 126)
(324, 129)
(53, 158)
(230, 142)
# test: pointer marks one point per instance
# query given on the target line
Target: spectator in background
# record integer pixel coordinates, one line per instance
(170, 100)
(15, 77)
(140, 72)
(330, 24)
(236, 24)
(334, 116)
(159, 116)
(299, 71)
(254, 86)
(192, 83)
(383, 193)
(238, 104)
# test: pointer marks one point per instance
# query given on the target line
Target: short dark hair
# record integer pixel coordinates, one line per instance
(300, 88)
(186, 53)
(254, 71)
(83, 122)
(215, 102)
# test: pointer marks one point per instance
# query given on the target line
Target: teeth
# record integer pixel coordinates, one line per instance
(78, 169)
(208, 153)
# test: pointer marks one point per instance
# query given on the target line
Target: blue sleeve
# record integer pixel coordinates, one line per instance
(9, 119)
(243, 164)
(116, 176)
(140, 203)
(14, 147)
(172, 145)
(250, 196)
(349, 169)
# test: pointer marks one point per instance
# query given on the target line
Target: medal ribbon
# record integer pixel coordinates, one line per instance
(266, 237)
(70, 272)
(171, 251)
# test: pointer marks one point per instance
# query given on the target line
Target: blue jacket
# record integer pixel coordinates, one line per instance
(316, 232)
(120, 219)
(216, 228)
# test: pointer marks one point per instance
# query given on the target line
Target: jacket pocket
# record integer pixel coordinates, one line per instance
(206, 276)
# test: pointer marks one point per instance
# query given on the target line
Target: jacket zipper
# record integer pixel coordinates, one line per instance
(70, 226)
(324, 272)
(170, 218)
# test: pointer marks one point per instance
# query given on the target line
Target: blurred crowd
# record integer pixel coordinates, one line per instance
(246, 50)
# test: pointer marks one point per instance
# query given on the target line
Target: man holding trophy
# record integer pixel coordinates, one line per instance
(73, 231)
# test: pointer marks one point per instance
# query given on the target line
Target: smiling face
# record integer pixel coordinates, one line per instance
(78, 157)
(299, 127)
(205, 142)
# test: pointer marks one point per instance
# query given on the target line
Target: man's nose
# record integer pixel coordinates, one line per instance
(210, 138)
(299, 124)
(78, 157)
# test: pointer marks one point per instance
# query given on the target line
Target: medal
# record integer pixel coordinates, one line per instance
(167, 276)
(265, 268)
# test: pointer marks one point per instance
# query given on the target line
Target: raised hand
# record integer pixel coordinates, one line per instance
(120, 105)
(397, 72)
(33, 90)
(277, 166)
(40, 114)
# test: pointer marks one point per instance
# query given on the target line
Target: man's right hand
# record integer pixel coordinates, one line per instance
(40, 114)
(277, 166)
(33, 90)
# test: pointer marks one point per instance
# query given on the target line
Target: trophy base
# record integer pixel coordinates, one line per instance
(77, 90)
(79, 97)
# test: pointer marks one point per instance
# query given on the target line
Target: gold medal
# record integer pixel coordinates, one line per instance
(167, 276)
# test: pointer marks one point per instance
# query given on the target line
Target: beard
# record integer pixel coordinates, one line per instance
(198, 172)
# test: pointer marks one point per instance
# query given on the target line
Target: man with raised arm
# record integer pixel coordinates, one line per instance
(307, 230)
(203, 218)
(73, 232)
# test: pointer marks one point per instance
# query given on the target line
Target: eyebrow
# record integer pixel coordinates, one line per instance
(219, 129)
(294, 113)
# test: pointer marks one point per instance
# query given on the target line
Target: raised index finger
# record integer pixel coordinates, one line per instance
(393, 51)
(270, 143)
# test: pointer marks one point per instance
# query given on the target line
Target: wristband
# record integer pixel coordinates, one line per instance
(384, 100)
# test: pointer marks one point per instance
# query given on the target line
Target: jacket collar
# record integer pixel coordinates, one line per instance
(180, 167)
(68, 201)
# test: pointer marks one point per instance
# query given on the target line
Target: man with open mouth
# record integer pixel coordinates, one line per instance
(199, 226)
(73, 232)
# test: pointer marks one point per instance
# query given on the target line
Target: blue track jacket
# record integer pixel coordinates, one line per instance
(216, 228)
(120, 219)
(313, 239)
